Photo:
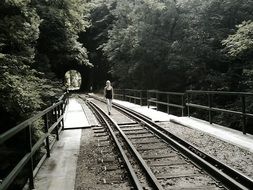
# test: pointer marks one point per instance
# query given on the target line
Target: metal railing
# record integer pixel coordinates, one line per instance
(211, 108)
(53, 123)
(185, 101)
(131, 95)
(119, 94)
(166, 98)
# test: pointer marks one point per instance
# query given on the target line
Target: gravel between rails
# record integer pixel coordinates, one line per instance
(89, 172)
(236, 157)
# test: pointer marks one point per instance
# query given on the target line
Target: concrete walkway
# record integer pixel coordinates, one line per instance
(75, 116)
(229, 135)
(150, 113)
(59, 171)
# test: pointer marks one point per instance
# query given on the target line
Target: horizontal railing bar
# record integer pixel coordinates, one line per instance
(36, 170)
(134, 90)
(118, 94)
(218, 109)
(197, 106)
(36, 146)
(227, 111)
(218, 92)
(168, 93)
(249, 114)
(41, 140)
(62, 96)
(11, 132)
(128, 96)
(50, 129)
(164, 103)
(231, 111)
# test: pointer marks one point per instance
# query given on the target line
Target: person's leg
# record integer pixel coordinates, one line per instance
(108, 105)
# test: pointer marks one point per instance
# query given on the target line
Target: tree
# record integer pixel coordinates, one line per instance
(239, 46)
(19, 30)
(100, 23)
(240, 43)
(58, 43)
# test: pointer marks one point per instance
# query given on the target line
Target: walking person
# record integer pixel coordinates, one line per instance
(108, 94)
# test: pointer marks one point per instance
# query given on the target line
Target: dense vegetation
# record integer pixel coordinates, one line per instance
(36, 38)
(176, 45)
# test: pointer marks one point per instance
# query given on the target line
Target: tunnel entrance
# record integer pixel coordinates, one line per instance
(73, 80)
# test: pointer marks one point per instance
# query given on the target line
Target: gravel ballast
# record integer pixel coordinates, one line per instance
(236, 157)
(91, 173)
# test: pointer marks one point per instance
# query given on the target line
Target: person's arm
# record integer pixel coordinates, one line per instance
(112, 93)
(104, 92)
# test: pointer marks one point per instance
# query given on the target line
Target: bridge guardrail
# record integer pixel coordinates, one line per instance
(210, 108)
(53, 122)
(131, 95)
(149, 97)
(154, 96)
(119, 94)
(184, 101)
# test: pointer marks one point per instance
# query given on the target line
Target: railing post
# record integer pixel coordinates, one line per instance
(243, 115)
(168, 101)
(65, 104)
(59, 115)
(182, 102)
(210, 107)
(63, 111)
(124, 95)
(188, 102)
(46, 131)
(157, 96)
(29, 150)
(135, 95)
(141, 98)
(147, 98)
(56, 127)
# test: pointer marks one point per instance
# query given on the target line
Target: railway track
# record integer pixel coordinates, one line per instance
(156, 161)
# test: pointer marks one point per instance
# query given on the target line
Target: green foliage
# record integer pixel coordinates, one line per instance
(143, 41)
(100, 22)
(174, 44)
(36, 38)
(19, 30)
(242, 41)
(18, 87)
(58, 43)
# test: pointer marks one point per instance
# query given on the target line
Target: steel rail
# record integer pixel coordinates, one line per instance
(230, 177)
(147, 170)
(125, 158)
